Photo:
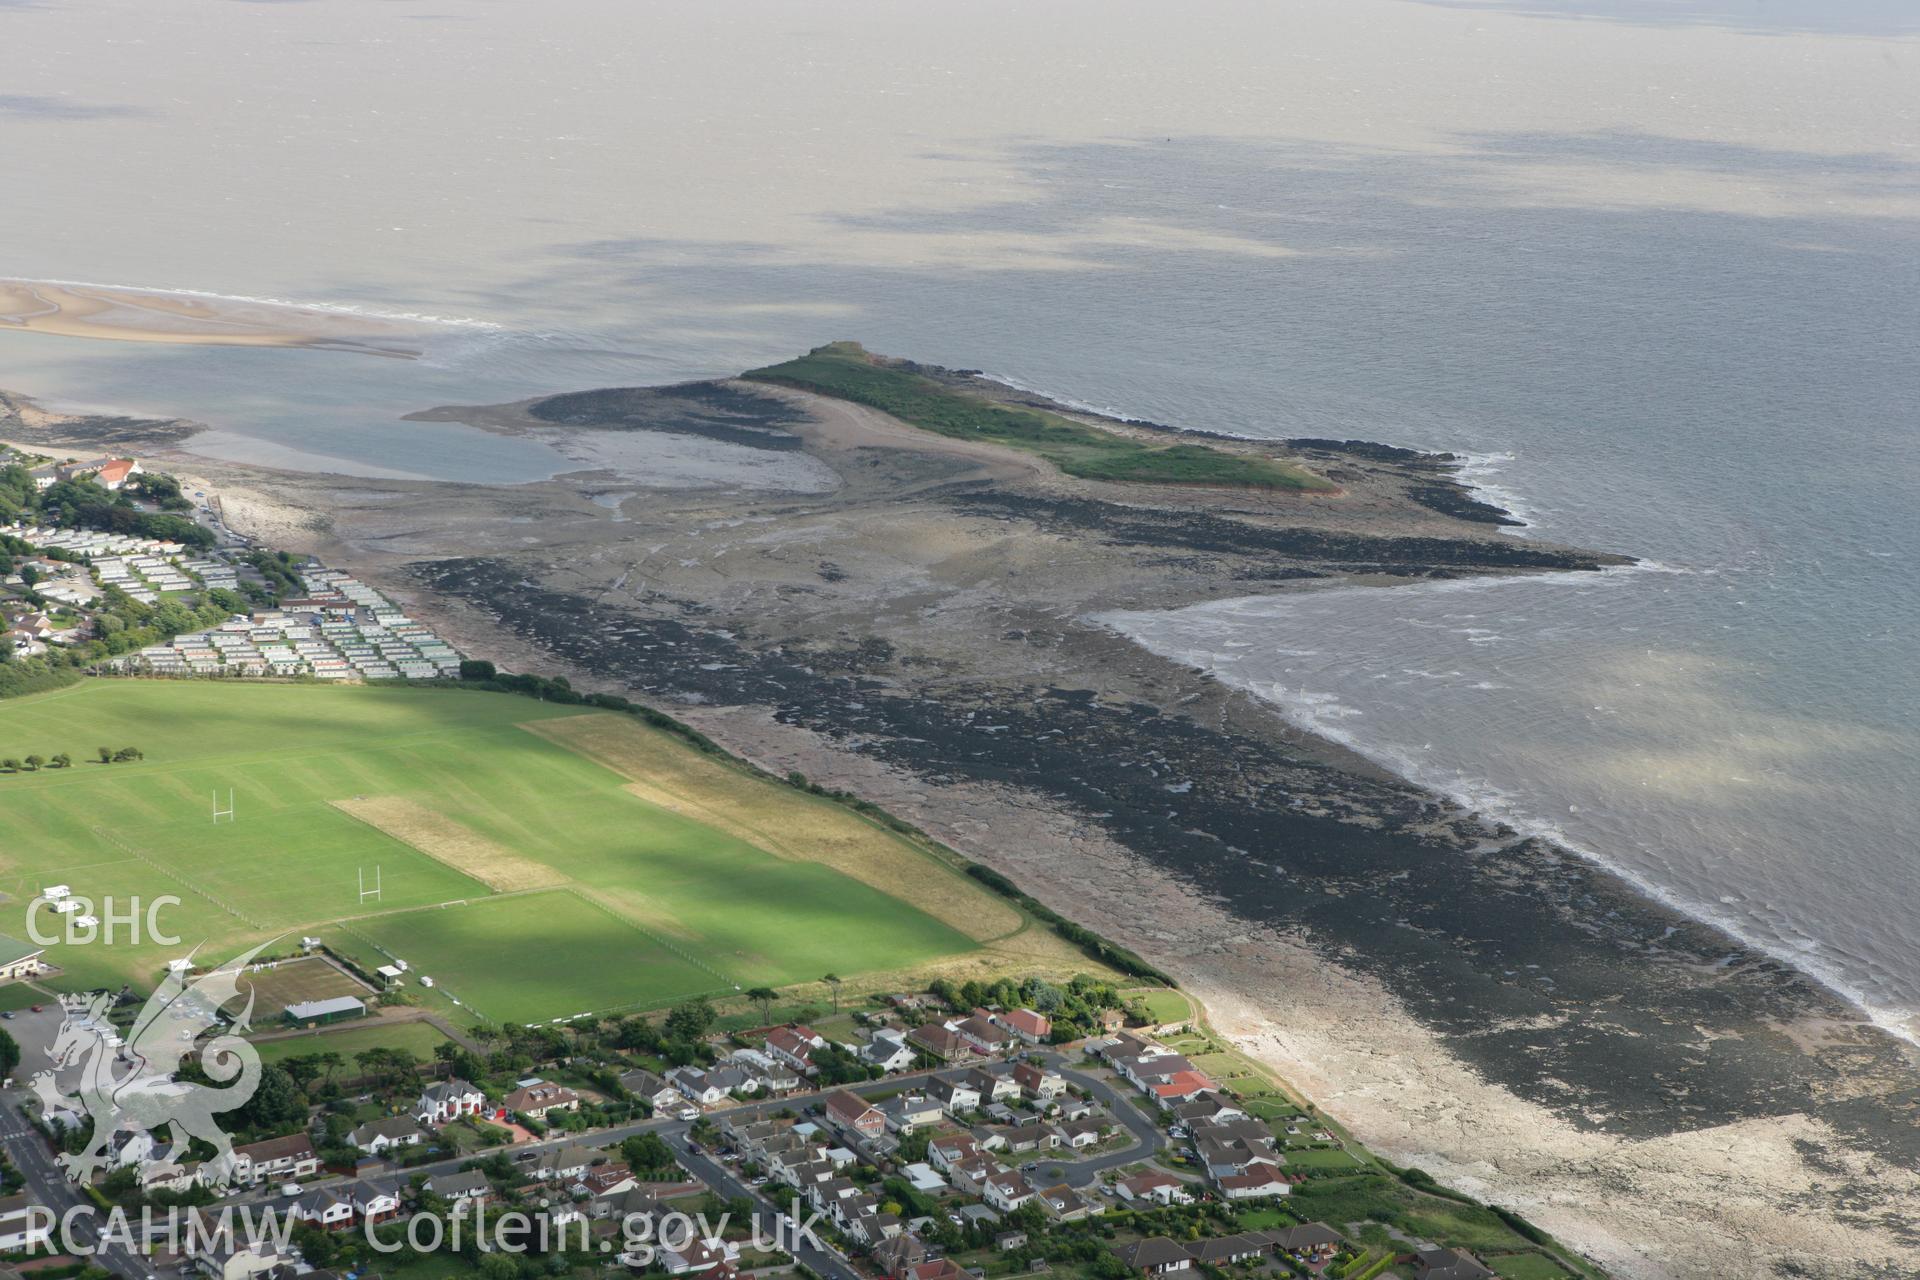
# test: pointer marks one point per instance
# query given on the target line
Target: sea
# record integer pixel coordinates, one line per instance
(1651, 270)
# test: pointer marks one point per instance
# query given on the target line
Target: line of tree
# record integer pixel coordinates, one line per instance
(35, 763)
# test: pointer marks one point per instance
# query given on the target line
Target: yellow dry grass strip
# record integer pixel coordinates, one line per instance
(783, 822)
(447, 841)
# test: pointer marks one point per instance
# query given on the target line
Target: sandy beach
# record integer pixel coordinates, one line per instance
(916, 632)
(135, 315)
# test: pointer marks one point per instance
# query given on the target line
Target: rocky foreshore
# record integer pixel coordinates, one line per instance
(1489, 1007)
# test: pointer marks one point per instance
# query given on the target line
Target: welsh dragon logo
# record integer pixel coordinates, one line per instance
(132, 1087)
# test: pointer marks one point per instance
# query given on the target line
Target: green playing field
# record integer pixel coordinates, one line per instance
(575, 894)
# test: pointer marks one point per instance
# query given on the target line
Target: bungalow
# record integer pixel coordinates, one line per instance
(938, 1269)
(447, 1100)
(538, 1098)
(921, 1177)
(456, 1187)
(1207, 1108)
(853, 1114)
(1030, 1027)
(887, 1050)
(1039, 1083)
(1260, 1182)
(1008, 1241)
(1448, 1264)
(1032, 1137)
(1158, 1188)
(648, 1087)
(1006, 1191)
(1219, 1251)
(794, 1044)
(1181, 1086)
(1156, 1256)
(938, 1041)
(1313, 1243)
(1065, 1204)
(288, 1158)
(981, 1035)
(1233, 1155)
(380, 1135)
(1080, 1133)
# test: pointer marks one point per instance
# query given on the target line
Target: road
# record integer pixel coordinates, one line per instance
(29, 1152)
(47, 1184)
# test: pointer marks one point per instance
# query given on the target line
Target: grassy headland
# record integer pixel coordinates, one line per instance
(847, 371)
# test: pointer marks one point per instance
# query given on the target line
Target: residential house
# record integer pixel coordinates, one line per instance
(376, 1200)
(1006, 1191)
(937, 1269)
(610, 1179)
(887, 1050)
(1038, 1083)
(1027, 1026)
(565, 1164)
(982, 1035)
(1262, 1181)
(1222, 1251)
(896, 1255)
(1448, 1264)
(938, 1041)
(1314, 1243)
(325, 1208)
(794, 1044)
(536, 1098)
(1156, 1256)
(386, 1134)
(1208, 1108)
(1076, 1134)
(447, 1100)
(955, 1096)
(1181, 1086)
(1155, 1188)
(648, 1087)
(854, 1114)
(910, 1112)
(1065, 1204)
(1032, 1137)
(276, 1159)
(944, 1153)
(455, 1187)
(994, 1085)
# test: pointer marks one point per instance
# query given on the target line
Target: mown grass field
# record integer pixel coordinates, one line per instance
(663, 889)
(847, 371)
(418, 1038)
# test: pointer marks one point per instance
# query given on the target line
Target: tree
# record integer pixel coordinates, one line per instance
(765, 996)
(9, 1054)
(833, 980)
(34, 762)
(691, 1020)
(10, 764)
(106, 755)
(648, 1153)
(61, 760)
(476, 669)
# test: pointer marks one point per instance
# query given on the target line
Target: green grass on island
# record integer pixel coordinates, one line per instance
(536, 860)
(846, 371)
